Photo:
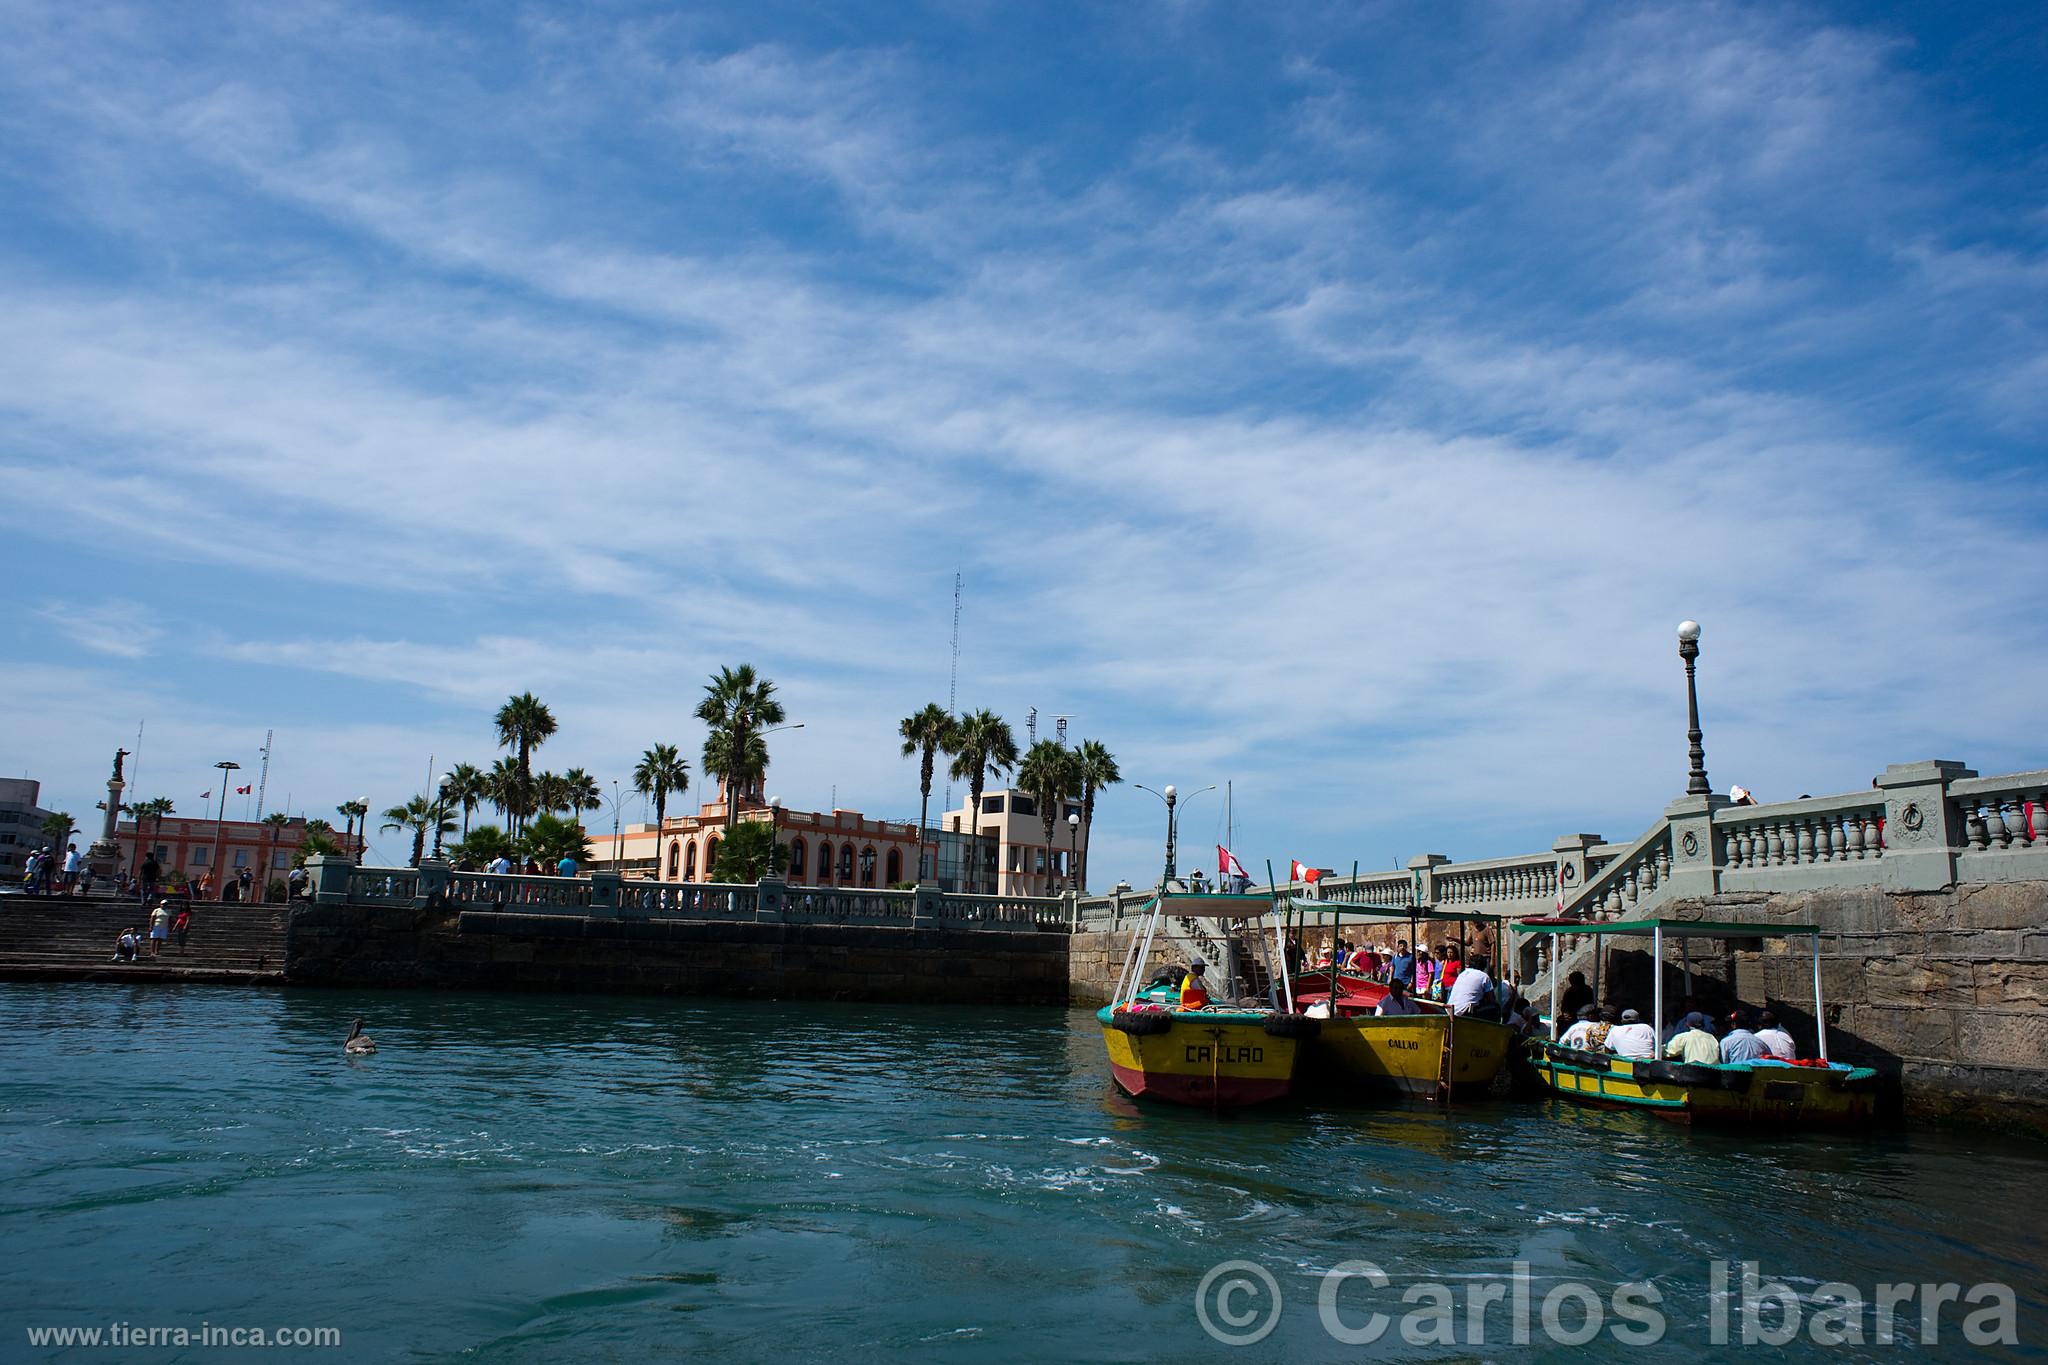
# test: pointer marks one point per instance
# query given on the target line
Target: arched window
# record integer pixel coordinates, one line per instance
(797, 864)
(825, 861)
(710, 858)
(895, 867)
(690, 861)
(867, 866)
(675, 857)
(846, 864)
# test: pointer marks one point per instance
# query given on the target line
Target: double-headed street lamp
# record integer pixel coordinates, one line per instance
(1689, 650)
(1172, 800)
(220, 830)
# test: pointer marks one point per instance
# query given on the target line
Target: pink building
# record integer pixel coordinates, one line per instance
(822, 848)
(187, 847)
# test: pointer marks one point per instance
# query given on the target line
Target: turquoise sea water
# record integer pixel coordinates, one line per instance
(543, 1178)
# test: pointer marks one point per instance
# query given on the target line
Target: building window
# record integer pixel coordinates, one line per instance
(825, 862)
(199, 857)
(241, 857)
(867, 866)
(991, 805)
(1016, 864)
(799, 860)
(675, 857)
(846, 863)
(280, 860)
(690, 862)
(895, 866)
(1021, 804)
(710, 857)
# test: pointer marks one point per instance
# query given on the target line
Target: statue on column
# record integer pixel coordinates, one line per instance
(104, 858)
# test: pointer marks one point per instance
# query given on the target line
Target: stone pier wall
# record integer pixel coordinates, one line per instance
(1944, 992)
(390, 946)
(1095, 957)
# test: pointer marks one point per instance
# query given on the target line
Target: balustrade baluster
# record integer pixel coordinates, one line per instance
(1994, 822)
(1805, 849)
(1824, 838)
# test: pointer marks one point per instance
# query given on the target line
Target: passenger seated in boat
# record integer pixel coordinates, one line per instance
(1396, 1000)
(1741, 1043)
(1577, 995)
(1633, 1038)
(1589, 1034)
(1694, 1044)
(1471, 991)
(1686, 1005)
(1522, 1016)
(1776, 1041)
(1194, 993)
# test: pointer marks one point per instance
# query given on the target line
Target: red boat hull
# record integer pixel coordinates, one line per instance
(1224, 1092)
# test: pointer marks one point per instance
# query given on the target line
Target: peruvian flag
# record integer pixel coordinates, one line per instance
(244, 791)
(1560, 888)
(1302, 872)
(1227, 864)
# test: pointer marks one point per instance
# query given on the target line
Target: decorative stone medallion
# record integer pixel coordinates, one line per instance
(1690, 843)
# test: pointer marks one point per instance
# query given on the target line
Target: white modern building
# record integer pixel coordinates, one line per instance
(1002, 848)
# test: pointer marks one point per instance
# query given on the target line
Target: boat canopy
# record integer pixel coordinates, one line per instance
(1669, 928)
(1209, 905)
(1414, 912)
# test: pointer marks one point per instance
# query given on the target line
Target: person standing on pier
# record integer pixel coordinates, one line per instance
(152, 870)
(1402, 968)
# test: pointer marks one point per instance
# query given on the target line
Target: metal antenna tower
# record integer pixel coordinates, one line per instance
(1060, 725)
(1031, 725)
(263, 783)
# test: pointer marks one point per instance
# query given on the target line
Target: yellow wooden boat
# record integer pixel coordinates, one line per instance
(1768, 1094)
(1404, 1054)
(1239, 1050)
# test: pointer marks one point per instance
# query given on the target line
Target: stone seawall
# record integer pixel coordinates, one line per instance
(1095, 957)
(380, 946)
(1944, 992)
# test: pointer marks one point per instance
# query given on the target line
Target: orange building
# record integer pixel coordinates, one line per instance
(823, 848)
(187, 847)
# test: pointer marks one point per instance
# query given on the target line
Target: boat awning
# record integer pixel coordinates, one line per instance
(1414, 912)
(1670, 928)
(1211, 906)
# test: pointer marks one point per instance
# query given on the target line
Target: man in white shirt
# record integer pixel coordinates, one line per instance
(1776, 1041)
(1580, 1034)
(1472, 988)
(1633, 1038)
(501, 865)
(1396, 1000)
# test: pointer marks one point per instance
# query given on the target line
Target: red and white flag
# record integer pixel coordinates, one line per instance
(244, 791)
(1302, 872)
(1227, 864)
(1560, 888)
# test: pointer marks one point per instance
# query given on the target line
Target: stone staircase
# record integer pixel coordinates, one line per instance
(72, 938)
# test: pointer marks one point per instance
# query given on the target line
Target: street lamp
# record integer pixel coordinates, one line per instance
(220, 830)
(1073, 849)
(619, 837)
(1689, 650)
(1172, 799)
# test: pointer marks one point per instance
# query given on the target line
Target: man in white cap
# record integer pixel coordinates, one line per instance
(1633, 1038)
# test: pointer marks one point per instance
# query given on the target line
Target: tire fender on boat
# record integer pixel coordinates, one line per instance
(1141, 1023)
(1281, 1025)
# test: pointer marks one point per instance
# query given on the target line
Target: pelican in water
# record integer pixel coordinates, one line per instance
(358, 1041)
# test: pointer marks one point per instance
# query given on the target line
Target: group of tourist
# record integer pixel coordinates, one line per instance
(50, 873)
(162, 924)
(1694, 1037)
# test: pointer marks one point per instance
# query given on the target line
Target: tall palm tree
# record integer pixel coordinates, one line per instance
(983, 747)
(357, 837)
(1098, 770)
(153, 810)
(524, 724)
(549, 792)
(275, 823)
(419, 815)
(661, 770)
(738, 705)
(925, 733)
(580, 792)
(503, 789)
(1050, 772)
(465, 785)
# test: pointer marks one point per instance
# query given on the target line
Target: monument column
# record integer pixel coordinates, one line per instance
(104, 857)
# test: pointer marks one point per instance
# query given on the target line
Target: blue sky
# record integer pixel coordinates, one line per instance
(1343, 401)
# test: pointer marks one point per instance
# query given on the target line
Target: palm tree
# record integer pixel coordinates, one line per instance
(1098, 770)
(983, 747)
(738, 705)
(419, 815)
(548, 840)
(662, 770)
(580, 792)
(549, 792)
(482, 846)
(275, 823)
(1050, 772)
(925, 734)
(502, 788)
(466, 787)
(524, 724)
(153, 810)
(57, 829)
(358, 835)
(749, 853)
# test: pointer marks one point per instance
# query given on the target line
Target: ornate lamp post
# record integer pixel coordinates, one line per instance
(1172, 800)
(1689, 650)
(1073, 851)
(220, 830)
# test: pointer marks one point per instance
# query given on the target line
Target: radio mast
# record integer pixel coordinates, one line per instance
(953, 683)
(263, 783)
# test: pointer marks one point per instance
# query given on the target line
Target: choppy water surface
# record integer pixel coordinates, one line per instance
(595, 1178)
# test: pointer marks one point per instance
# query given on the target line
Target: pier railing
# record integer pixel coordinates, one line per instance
(606, 895)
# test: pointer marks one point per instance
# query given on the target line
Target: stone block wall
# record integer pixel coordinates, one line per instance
(1095, 958)
(385, 946)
